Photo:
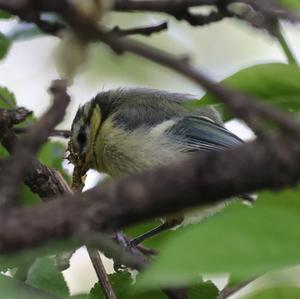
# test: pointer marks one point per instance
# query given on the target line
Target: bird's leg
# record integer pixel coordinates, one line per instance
(168, 224)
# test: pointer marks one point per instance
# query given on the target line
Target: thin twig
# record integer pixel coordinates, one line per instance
(284, 44)
(101, 273)
(147, 30)
(53, 133)
(77, 187)
(228, 291)
(244, 106)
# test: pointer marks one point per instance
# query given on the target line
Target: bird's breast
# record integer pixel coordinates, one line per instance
(120, 151)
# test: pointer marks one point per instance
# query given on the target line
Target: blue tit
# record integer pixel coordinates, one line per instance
(126, 131)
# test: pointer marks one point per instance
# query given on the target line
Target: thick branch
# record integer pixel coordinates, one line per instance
(200, 180)
(42, 180)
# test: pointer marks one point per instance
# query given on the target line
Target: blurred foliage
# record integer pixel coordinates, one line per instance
(203, 290)
(4, 14)
(7, 98)
(43, 274)
(241, 240)
(14, 259)
(291, 4)
(4, 45)
(275, 83)
(284, 292)
(14, 289)
(124, 287)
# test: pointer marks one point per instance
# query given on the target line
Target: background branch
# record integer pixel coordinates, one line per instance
(147, 30)
(53, 133)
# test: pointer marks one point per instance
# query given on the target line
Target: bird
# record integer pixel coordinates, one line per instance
(129, 130)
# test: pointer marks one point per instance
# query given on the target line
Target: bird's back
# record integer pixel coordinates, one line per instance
(148, 107)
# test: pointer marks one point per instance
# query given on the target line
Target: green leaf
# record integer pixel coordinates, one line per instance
(288, 198)
(44, 275)
(4, 45)
(283, 292)
(19, 258)
(291, 4)
(81, 296)
(96, 292)
(241, 240)
(4, 14)
(8, 101)
(274, 82)
(52, 154)
(7, 98)
(203, 290)
(120, 283)
(27, 197)
(14, 289)
(3, 152)
(123, 287)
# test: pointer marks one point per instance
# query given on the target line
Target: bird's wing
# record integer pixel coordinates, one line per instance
(202, 134)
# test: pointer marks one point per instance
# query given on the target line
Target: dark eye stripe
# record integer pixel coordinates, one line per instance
(81, 139)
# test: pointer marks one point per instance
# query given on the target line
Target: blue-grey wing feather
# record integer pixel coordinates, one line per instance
(202, 134)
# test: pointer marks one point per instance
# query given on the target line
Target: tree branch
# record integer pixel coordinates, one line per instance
(24, 149)
(157, 192)
(244, 107)
(53, 133)
(179, 8)
(284, 44)
(42, 180)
